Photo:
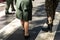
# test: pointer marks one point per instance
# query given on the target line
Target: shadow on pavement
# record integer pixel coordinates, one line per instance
(18, 34)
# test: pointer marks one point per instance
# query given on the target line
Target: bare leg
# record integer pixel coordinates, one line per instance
(22, 22)
(26, 27)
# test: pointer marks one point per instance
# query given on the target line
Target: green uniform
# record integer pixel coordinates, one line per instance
(24, 9)
(8, 3)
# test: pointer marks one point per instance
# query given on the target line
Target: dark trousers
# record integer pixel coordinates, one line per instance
(50, 7)
(15, 1)
(8, 3)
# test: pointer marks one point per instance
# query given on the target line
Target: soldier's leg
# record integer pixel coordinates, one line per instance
(7, 7)
(50, 21)
(15, 1)
(54, 6)
(50, 10)
(12, 5)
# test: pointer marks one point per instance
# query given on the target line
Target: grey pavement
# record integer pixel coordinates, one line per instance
(4, 20)
(13, 31)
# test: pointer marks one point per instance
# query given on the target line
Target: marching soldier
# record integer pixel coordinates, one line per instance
(8, 3)
(24, 13)
(50, 6)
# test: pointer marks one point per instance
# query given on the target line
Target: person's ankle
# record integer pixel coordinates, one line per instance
(26, 34)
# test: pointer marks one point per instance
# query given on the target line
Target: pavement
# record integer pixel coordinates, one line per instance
(11, 27)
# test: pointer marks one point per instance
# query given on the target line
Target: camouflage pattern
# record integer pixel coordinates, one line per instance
(50, 7)
(24, 9)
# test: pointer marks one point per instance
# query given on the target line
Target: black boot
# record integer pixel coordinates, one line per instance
(50, 27)
(45, 29)
(6, 12)
(13, 9)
